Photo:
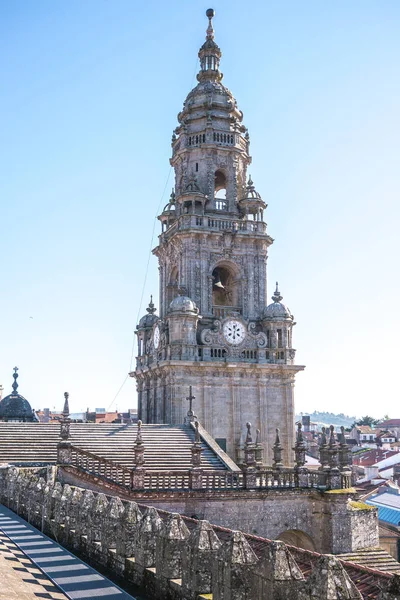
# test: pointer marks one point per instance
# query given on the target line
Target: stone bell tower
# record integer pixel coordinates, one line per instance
(215, 331)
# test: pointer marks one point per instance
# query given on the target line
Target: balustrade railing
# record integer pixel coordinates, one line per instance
(216, 223)
(263, 479)
(101, 467)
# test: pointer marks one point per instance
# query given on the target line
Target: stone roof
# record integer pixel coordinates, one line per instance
(167, 447)
(15, 407)
(182, 304)
(277, 310)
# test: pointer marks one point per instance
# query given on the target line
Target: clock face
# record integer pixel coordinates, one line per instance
(234, 332)
(156, 337)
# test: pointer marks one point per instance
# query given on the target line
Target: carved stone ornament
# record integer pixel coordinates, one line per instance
(215, 336)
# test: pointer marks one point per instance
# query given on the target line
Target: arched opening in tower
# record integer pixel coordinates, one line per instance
(298, 538)
(172, 287)
(225, 290)
(220, 190)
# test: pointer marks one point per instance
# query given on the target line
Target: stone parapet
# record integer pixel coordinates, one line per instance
(170, 556)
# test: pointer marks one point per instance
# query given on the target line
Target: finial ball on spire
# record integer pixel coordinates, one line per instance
(210, 13)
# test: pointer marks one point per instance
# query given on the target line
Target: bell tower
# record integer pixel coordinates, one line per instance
(214, 330)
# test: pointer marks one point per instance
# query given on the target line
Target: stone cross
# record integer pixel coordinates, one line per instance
(15, 384)
(190, 398)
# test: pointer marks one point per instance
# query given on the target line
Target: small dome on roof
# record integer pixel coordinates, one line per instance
(170, 206)
(147, 321)
(277, 310)
(182, 304)
(15, 407)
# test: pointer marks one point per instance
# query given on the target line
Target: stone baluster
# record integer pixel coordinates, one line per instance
(345, 460)
(281, 576)
(334, 479)
(277, 453)
(198, 560)
(138, 473)
(145, 549)
(249, 467)
(330, 581)
(301, 472)
(170, 545)
(126, 540)
(233, 573)
(196, 473)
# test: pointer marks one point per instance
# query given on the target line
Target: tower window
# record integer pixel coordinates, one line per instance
(280, 338)
(197, 167)
(220, 190)
(225, 290)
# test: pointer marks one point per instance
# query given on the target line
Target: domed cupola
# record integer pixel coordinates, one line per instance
(182, 318)
(277, 311)
(147, 321)
(252, 203)
(168, 214)
(15, 407)
(183, 304)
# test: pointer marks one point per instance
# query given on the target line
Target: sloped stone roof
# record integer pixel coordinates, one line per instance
(167, 447)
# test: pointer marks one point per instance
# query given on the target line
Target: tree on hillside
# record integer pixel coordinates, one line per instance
(367, 420)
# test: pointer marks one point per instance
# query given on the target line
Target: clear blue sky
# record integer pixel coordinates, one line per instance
(89, 96)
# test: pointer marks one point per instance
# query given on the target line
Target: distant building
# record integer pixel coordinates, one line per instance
(392, 424)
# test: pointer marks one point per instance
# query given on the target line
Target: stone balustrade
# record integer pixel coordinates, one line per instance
(199, 479)
(172, 557)
(215, 223)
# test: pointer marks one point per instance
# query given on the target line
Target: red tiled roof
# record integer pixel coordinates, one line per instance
(390, 423)
(371, 457)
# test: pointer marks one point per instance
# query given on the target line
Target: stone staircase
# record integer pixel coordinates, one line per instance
(167, 447)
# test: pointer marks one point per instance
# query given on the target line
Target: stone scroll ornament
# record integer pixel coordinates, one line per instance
(253, 339)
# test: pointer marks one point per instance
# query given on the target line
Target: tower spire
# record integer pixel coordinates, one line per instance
(209, 53)
(277, 295)
(210, 13)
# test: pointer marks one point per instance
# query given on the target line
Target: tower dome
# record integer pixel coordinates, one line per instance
(147, 321)
(15, 407)
(182, 304)
(277, 310)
